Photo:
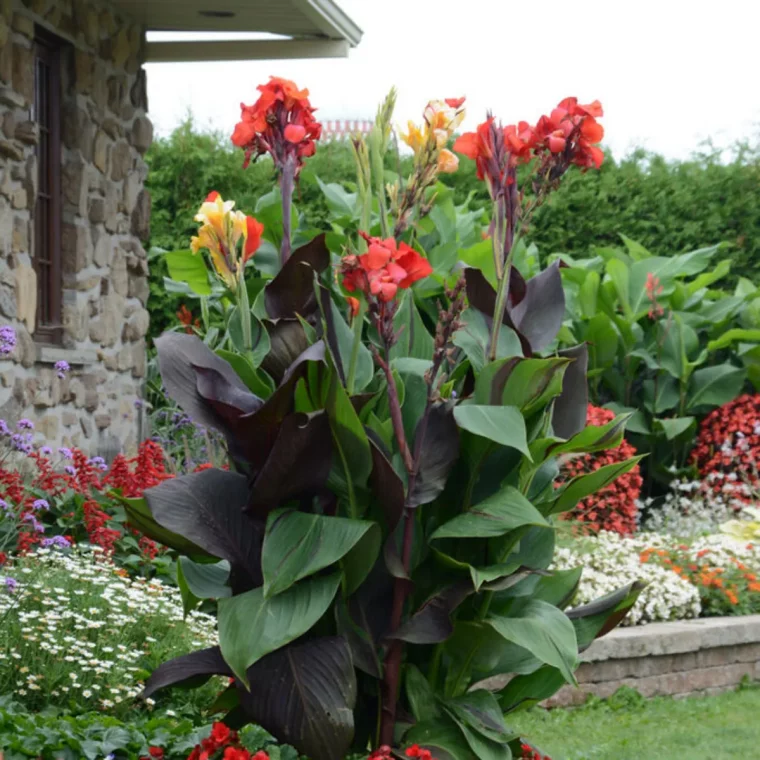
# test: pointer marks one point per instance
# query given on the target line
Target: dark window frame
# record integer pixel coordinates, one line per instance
(48, 203)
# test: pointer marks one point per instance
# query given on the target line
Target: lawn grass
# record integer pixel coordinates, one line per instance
(629, 727)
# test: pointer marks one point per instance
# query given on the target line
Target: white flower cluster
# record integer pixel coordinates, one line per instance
(610, 561)
(694, 508)
(76, 628)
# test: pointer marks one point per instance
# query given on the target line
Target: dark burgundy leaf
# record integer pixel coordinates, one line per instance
(482, 297)
(205, 386)
(207, 508)
(570, 407)
(387, 486)
(304, 695)
(255, 434)
(187, 670)
(431, 624)
(298, 463)
(439, 452)
(331, 336)
(539, 314)
(291, 292)
(287, 341)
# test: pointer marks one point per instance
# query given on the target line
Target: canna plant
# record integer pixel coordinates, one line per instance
(664, 342)
(380, 546)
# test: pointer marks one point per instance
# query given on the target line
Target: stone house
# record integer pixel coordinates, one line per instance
(74, 212)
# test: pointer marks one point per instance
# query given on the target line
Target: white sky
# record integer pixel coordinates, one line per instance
(669, 73)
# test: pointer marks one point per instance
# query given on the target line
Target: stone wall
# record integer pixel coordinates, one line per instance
(106, 210)
(703, 656)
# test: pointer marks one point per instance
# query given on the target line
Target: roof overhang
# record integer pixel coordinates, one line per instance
(307, 28)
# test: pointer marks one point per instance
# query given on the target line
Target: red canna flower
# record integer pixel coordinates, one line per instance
(253, 238)
(156, 752)
(386, 267)
(281, 122)
(236, 753)
(455, 102)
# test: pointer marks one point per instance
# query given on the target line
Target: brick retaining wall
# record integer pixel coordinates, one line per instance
(676, 659)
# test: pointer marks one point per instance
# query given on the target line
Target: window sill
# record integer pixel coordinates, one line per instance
(74, 356)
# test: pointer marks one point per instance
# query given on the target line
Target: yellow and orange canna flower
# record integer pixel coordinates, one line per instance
(230, 237)
(441, 119)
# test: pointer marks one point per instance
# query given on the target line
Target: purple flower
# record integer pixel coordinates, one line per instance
(37, 526)
(19, 443)
(7, 339)
(11, 584)
(61, 368)
(4, 429)
(25, 424)
(100, 463)
(64, 452)
(139, 403)
(69, 469)
(46, 451)
(4, 505)
(39, 504)
(60, 541)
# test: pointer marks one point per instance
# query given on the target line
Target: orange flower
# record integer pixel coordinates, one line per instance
(754, 586)
(353, 306)
(254, 230)
(731, 596)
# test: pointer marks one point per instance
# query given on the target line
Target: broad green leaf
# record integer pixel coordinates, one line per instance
(479, 710)
(718, 311)
(602, 339)
(442, 738)
(666, 390)
(299, 544)
(545, 631)
(412, 374)
(528, 384)
(524, 691)
(480, 256)
(206, 581)
(251, 626)
(708, 278)
(675, 426)
(339, 201)
(260, 342)
(588, 293)
(637, 421)
(637, 251)
(731, 336)
(190, 268)
(584, 485)
(350, 441)
(618, 273)
(420, 695)
(257, 381)
(504, 511)
(414, 340)
(677, 342)
(189, 600)
(474, 336)
(502, 424)
(591, 438)
(713, 386)
(344, 335)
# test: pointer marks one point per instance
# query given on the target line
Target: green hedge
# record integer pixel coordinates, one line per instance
(668, 206)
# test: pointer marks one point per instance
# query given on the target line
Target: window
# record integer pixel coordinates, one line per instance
(47, 209)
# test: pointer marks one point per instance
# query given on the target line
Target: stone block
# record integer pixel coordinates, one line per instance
(103, 249)
(124, 358)
(139, 288)
(8, 306)
(101, 149)
(27, 132)
(141, 216)
(121, 161)
(106, 329)
(74, 184)
(26, 349)
(68, 418)
(11, 150)
(78, 130)
(87, 427)
(76, 248)
(142, 133)
(139, 359)
(48, 426)
(84, 71)
(75, 320)
(20, 238)
(119, 279)
(136, 326)
(117, 92)
(102, 421)
(19, 198)
(23, 67)
(26, 294)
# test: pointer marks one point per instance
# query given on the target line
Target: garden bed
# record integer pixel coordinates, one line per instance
(668, 659)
